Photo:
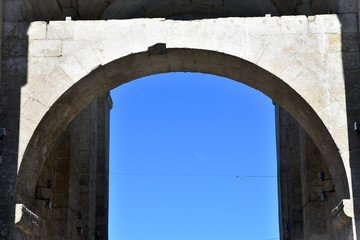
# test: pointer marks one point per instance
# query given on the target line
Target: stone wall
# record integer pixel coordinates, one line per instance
(78, 169)
(306, 199)
(321, 51)
(14, 43)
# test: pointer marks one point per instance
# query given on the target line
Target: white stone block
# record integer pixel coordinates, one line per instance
(37, 30)
(264, 25)
(294, 25)
(68, 46)
(45, 48)
(329, 23)
(71, 66)
(55, 83)
(34, 110)
(88, 59)
(89, 30)
(60, 30)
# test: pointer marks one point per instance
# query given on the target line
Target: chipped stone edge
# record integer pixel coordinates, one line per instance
(25, 220)
(342, 213)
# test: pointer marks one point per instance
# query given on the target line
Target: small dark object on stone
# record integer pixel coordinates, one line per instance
(157, 49)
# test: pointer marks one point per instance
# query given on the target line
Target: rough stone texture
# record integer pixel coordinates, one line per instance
(104, 41)
(79, 171)
(343, 213)
(309, 46)
(303, 215)
(13, 76)
(102, 168)
(53, 71)
(179, 9)
(25, 220)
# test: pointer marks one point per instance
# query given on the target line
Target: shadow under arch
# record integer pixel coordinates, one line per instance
(137, 65)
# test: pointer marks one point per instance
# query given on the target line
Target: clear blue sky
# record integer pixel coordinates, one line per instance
(181, 146)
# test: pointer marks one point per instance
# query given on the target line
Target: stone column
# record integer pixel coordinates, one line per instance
(102, 173)
(13, 75)
(87, 169)
(289, 176)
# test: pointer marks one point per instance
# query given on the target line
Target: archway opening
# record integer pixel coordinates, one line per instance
(134, 66)
(192, 156)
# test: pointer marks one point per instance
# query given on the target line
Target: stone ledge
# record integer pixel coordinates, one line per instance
(25, 220)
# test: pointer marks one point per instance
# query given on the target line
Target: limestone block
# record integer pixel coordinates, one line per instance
(26, 128)
(37, 30)
(34, 110)
(45, 48)
(254, 43)
(269, 25)
(137, 29)
(334, 64)
(341, 136)
(155, 33)
(220, 40)
(310, 43)
(114, 46)
(88, 59)
(335, 42)
(88, 30)
(304, 75)
(328, 23)
(318, 98)
(68, 46)
(327, 116)
(40, 67)
(55, 83)
(314, 63)
(60, 30)
(116, 25)
(25, 220)
(294, 25)
(72, 67)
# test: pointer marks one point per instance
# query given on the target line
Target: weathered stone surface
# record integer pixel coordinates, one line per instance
(343, 213)
(105, 42)
(37, 31)
(60, 30)
(45, 48)
(25, 220)
(51, 71)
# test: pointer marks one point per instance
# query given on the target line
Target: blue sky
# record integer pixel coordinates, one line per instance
(192, 157)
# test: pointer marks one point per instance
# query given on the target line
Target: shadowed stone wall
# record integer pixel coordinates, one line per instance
(303, 212)
(53, 71)
(78, 169)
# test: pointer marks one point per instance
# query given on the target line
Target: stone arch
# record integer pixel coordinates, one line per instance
(141, 64)
(291, 59)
